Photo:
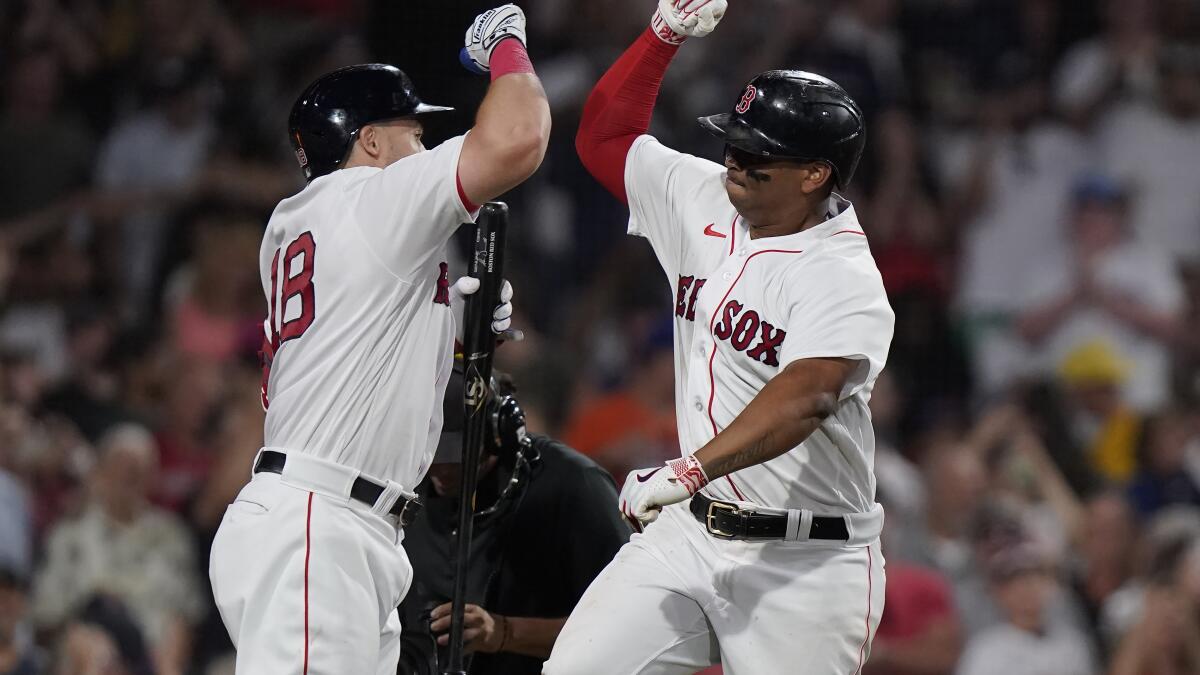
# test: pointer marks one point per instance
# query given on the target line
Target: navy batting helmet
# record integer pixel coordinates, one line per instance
(329, 114)
(791, 114)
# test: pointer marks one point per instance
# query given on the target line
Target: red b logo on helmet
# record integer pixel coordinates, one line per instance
(747, 98)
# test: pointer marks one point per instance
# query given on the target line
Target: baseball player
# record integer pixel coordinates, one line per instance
(307, 567)
(761, 545)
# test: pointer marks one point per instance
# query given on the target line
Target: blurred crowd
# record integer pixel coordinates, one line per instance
(1031, 191)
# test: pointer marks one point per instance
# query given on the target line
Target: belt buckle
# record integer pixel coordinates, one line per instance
(710, 519)
(409, 512)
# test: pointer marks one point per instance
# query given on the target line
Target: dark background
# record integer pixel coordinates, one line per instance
(1031, 190)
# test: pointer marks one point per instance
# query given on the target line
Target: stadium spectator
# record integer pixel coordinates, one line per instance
(1100, 422)
(149, 164)
(919, 633)
(1024, 643)
(1164, 640)
(1170, 473)
(16, 524)
(191, 400)
(1008, 180)
(1152, 146)
(122, 546)
(54, 146)
(1163, 545)
(1104, 559)
(1120, 63)
(900, 487)
(206, 299)
(1111, 288)
(89, 393)
(955, 478)
(1163, 611)
(103, 637)
(19, 654)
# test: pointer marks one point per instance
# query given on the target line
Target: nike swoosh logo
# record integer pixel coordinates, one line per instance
(713, 233)
(643, 479)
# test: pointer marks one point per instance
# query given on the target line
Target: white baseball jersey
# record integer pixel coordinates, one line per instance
(360, 335)
(745, 308)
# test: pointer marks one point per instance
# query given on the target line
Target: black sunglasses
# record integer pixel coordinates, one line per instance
(746, 160)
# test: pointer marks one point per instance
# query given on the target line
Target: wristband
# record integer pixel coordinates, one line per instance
(663, 31)
(509, 56)
(689, 473)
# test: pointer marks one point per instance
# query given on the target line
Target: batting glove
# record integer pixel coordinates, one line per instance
(677, 20)
(501, 316)
(487, 31)
(646, 491)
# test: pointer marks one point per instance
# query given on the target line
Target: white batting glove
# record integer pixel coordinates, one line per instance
(501, 316)
(677, 20)
(646, 491)
(487, 31)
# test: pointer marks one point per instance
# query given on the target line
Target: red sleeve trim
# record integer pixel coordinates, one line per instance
(619, 110)
(469, 205)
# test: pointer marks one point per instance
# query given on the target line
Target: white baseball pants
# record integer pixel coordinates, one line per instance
(307, 580)
(676, 600)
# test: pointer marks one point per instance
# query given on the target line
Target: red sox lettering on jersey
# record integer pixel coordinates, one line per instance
(743, 328)
(740, 328)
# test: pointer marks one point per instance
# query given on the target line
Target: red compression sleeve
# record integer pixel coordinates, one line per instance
(619, 109)
(509, 56)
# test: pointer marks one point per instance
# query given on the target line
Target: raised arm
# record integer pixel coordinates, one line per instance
(512, 127)
(619, 107)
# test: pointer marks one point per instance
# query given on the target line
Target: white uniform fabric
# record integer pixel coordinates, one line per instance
(744, 310)
(308, 582)
(363, 387)
(361, 337)
(676, 600)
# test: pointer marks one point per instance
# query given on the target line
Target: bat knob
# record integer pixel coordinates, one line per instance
(511, 335)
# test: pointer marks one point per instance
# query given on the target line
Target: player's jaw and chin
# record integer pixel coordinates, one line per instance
(752, 198)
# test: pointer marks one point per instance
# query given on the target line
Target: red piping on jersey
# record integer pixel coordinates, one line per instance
(712, 382)
(307, 551)
(848, 232)
(732, 233)
(866, 638)
(619, 109)
(469, 205)
(735, 490)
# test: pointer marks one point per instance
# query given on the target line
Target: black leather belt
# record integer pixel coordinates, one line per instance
(726, 520)
(363, 490)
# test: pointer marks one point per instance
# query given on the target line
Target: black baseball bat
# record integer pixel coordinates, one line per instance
(479, 344)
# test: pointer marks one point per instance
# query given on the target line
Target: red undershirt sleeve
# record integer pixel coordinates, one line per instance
(619, 110)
